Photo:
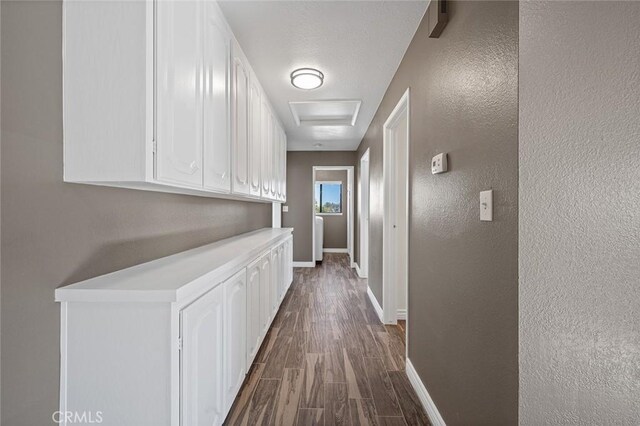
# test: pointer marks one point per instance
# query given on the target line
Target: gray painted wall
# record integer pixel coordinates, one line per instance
(463, 273)
(579, 203)
(335, 227)
(300, 195)
(55, 233)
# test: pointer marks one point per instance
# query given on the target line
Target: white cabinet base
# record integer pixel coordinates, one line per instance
(165, 342)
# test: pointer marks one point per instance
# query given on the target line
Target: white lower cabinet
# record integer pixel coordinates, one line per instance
(254, 324)
(169, 342)
(202, 357)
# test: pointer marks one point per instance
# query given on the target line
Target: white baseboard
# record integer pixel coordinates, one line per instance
(401, 314)
(335, 250)
(358, 271)
(375, 304)
(304, 264)
(428, 404)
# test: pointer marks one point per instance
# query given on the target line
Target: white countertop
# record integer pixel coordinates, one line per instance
(174, 278)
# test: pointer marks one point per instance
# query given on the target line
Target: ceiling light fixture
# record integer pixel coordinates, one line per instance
(317, 145)
(307, 78)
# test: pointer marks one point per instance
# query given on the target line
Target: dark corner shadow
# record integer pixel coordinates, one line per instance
(123, 254)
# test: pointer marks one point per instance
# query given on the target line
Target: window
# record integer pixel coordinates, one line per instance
(328, 198)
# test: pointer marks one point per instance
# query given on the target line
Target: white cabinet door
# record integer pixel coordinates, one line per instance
(235, 334)
(201, 360)
(282, 275)
(240, 123)
(217, 143)
(273, 285)
(267, 152)
(254, 325)
(273, 191)
(284, 167)
(255, 138)
(265, 298)
(179, 93)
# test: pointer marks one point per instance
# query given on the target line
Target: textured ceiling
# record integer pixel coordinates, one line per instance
(358, 45)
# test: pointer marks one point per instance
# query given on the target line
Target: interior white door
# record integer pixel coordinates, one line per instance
(240, 126)
(255, 138)
(201, 360)
(217, 143)
(284, 166)
(265, 120)
(235, 334)
(254, 326)
(265, 298)
(179, 93)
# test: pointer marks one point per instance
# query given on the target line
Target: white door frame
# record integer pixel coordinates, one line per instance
(363, 211)
(390, 165)
(349, 170)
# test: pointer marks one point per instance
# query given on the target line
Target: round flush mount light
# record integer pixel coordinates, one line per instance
(307, 78)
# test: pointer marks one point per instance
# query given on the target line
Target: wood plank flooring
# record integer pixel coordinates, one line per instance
(327, 359)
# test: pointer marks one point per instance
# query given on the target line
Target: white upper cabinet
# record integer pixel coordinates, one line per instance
(217, 143)
(201, 368)
(179, 92)
(240, 122)
(255, 138)
(168, 102)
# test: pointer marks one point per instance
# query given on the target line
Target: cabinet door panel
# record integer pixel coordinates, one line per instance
(235, 334)
(240, 126)
(265, 298)
(179, 93)
(217, 143)
(254, 326)
(201, 360)
(274, 156)
(266, 170)
(255, 137)
(273, 285)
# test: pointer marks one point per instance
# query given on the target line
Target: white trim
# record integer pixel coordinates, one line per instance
(389, 164)
(335, 250)
(363, 216)
(358, 271)
(350, 207)
(304, 264)
(375, 303)
(428, 404)
(401, 314)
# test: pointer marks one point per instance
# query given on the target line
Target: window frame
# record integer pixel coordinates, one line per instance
(329, 182)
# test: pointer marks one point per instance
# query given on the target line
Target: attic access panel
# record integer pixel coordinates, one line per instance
(325, 113)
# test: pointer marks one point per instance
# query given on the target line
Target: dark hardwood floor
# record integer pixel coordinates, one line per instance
(327, 359)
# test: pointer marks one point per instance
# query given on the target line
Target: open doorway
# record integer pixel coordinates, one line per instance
(363, 216)
(333, 202)
(395, 229)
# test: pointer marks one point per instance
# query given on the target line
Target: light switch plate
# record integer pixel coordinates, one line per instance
(486, 206)
(285, 209)
(439, 163)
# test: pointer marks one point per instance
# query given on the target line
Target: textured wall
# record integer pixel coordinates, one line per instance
(55, 233)
(579, 213)
(335, 226)
(300, 194)
(463, 282)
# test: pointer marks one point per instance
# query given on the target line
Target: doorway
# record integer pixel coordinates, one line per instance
(346, 209)
(363, 216)
(395, 229)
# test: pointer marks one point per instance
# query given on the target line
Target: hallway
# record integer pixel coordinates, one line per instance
(328, 360)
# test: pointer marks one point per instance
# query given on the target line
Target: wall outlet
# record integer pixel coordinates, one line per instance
(285, 209)
(439, 163)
